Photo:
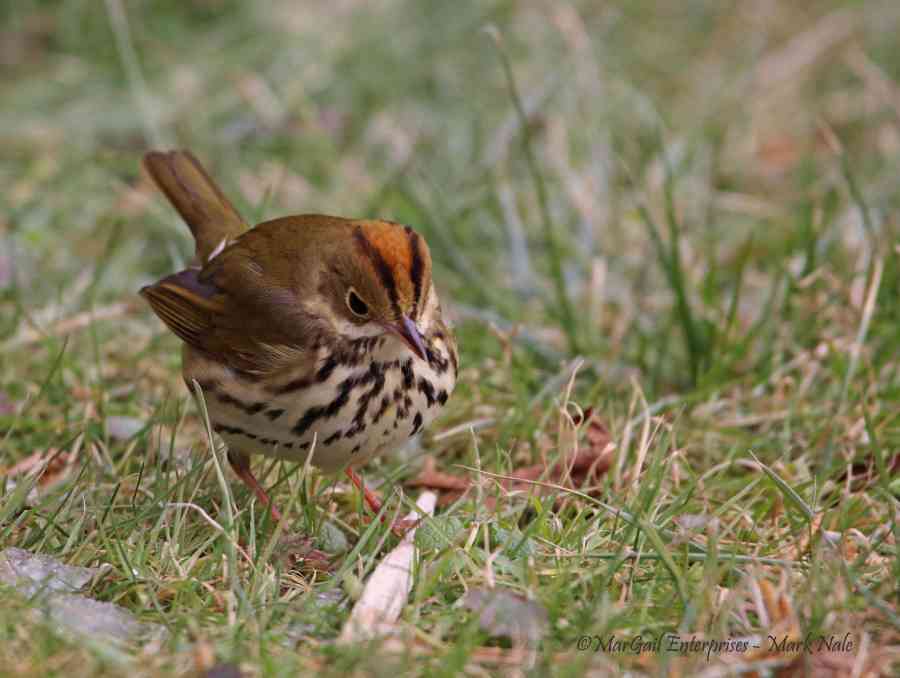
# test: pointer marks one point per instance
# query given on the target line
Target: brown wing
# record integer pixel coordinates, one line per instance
(234, 313)
(187, 306)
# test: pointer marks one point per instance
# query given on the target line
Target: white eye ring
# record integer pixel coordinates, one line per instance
(357, 306)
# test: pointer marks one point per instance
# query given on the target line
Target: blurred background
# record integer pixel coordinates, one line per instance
(681, 162)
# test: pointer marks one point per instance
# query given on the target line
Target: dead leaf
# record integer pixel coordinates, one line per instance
(502, 613)
(433, 479)
(56, 470)
(775, 607)
(587, 467)
(224, 671)
(387, 589)
(23, 465)
(297, 552)
(778, 153)
(862, 475)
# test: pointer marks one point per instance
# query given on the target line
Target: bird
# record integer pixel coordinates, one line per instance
(310, 336)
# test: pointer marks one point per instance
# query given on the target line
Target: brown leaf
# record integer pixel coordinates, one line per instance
(23, 465)
(224, 671)
(579, 419)
(783, 625)
(296, 551)
(587, 467)
(778, 153)
(433, 479)
(862, 475)
(56, 469)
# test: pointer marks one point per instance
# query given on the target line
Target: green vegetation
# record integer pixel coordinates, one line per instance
(689, 206)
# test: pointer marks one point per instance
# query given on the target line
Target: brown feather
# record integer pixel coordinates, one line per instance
(184, 311)
(209, 214)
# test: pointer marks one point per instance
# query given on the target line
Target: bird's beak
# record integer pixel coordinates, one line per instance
(406, 329)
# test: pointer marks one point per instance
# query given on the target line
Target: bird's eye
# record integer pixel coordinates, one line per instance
(356, 305)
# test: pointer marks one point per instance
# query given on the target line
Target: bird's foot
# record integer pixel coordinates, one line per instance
(398, 527)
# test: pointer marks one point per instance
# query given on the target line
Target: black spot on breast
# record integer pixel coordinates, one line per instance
(249, 408)
(334, 437)
(232, 431)
(427, 389)
(308, 419)
(408, 376)
(327, 368)
(436, 361)
(359, 419)
(328, 411)
(382, 408)
(442, 397)
(293, 385)
(403, 410)
(417, 423)
(274, 414)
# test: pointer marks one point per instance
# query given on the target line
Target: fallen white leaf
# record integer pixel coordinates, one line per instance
(387, 589)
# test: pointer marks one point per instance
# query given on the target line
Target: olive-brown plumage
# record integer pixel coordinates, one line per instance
(309, 334)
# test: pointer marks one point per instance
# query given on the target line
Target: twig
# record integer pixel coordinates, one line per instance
(73, 323)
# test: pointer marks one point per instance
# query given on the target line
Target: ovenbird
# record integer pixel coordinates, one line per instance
(309, 335)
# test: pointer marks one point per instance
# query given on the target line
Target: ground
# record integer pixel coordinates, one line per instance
(667, 235)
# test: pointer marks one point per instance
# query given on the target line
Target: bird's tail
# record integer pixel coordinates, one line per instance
(209, 214)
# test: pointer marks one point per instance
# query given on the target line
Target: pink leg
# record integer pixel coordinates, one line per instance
(241, 466)
(399, 527)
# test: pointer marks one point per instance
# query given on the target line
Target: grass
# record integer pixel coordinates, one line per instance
(679, 215)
